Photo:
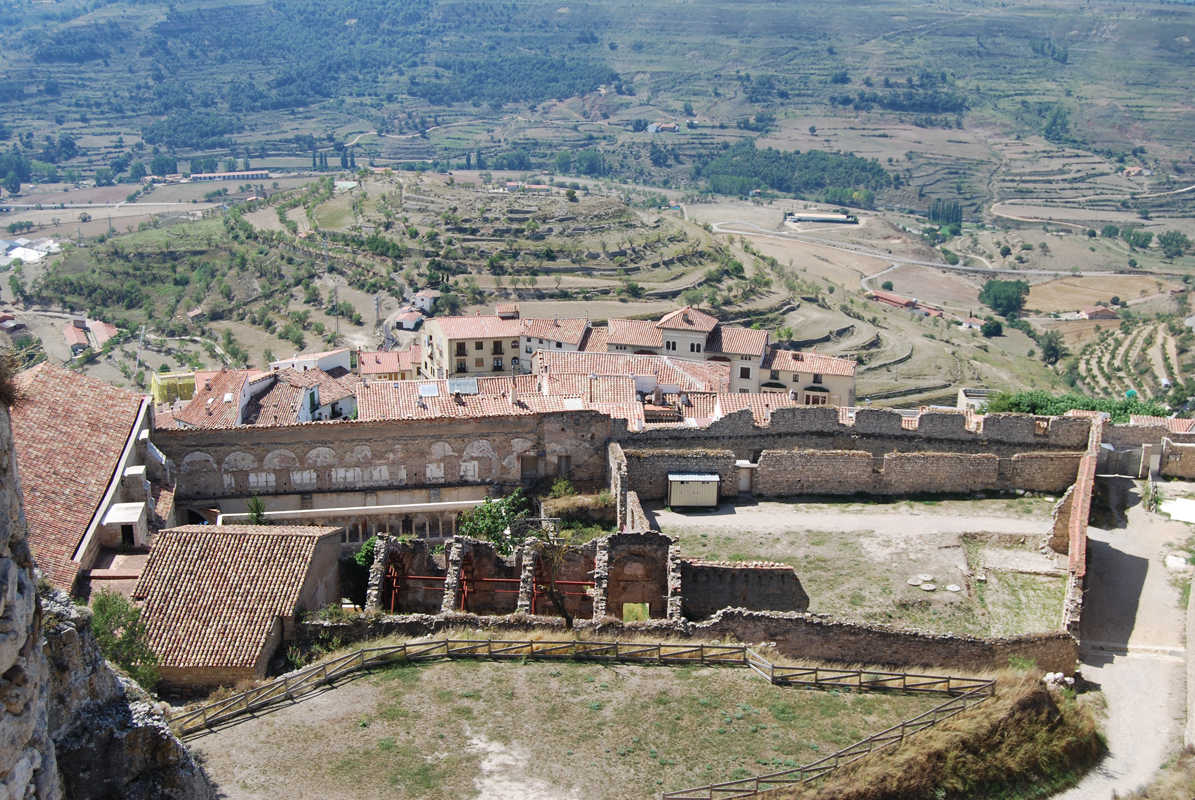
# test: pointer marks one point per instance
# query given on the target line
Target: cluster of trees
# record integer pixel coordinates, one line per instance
(79, 44)
(589, 162)
(1045, 403)
(918, 101)
(15, 169)
(512, 77)
(744, 167)
(1006, 298)
(191, 129)
(946, 212)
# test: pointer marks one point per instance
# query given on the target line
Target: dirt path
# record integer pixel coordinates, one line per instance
(1172, 351)
(1132, 648)
(1155, 354)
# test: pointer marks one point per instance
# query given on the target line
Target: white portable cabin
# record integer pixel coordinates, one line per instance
(689, 490)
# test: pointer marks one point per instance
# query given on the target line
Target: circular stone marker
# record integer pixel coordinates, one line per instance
(925, 578)
(914, 581)
(954, 587)
(928, 587)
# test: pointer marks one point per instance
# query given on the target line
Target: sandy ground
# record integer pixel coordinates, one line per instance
(1133, 650)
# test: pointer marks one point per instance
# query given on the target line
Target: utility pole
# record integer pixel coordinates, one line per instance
(335, 310)
(377, 310)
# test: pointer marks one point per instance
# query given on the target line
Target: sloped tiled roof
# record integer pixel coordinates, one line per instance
(211, 593)
(794, 361)
(760, 403)
(209, 408)
(689, 376)
(634, 333)
(592, 388)
(595, 340)
(74, 335)
(331, 388)
(278, 405)
(737, 340)
(382, 362)
(69, 432)
(479, 327)
(1172, 424)
(569, 331)
(688, 318)
(401, 400)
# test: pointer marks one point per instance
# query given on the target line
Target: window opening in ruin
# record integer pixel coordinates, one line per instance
(636, 612)
(563, 465)
(528, 466)
(126, 537)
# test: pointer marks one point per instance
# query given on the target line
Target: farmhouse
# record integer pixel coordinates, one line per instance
(389, 365)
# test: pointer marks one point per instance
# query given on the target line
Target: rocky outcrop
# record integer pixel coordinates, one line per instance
(109, 739)
(27, 765)
(70, 727)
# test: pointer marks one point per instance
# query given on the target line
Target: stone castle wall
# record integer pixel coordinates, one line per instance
(707, 588)
(647, 470)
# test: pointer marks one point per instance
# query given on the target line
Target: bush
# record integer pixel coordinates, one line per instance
(562, 487)
(992, 328)
(121, 636)
(886, 286)
(364, 556)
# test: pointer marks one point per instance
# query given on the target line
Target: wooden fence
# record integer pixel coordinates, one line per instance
(293, 686)
(890, 737)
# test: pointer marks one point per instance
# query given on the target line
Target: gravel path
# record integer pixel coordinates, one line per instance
(1132, 647)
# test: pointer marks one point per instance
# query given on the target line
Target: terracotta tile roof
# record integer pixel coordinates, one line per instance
(796, 361)
(382, 362)
(697, 406)
(510, 384)
(102, 331)
(569, 331)
(631, 412)
(506, 309)
(1172, 424)
(401, 400)
(331, 388)
(591, 388)
(634, 333)
(75, 336)
(478, 327)
(278, 405)
(688, 319)
(595, 340)
(737, 340)
(760, 403)
(163, 505)
(893, 299)
(223, 390)
(211, 593)
(689, 376)
(69, 431)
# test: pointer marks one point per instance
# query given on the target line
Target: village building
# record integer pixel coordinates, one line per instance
(389, 365)
(335, 362)
(425, 300)
(812, 379)
(495, 344)
(83, 451)
(1098, 312)
(219, 600)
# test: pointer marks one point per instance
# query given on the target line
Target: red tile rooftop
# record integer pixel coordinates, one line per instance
(798, 361)
(688, 319)
(69, 432)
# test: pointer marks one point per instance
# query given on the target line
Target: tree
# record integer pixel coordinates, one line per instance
(1173, 243)
(121, 635)
(992, 328)
(1110, 231)
(257, 511)
(1052, 348)
(494, 521)
(12, 183)
(886, 286)
(137, 171)
(1004, 297)
(571, 195)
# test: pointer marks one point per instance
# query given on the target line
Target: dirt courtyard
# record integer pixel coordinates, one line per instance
(542, 731)
(874, 562)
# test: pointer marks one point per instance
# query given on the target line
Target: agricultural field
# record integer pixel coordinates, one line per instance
(501, 730)
(1147, 357)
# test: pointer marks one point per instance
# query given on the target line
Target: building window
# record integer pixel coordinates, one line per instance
(559, 345)
(816, 399)
(817, 377)
(478, 345)
(498, 348)
(528, 349)
(497, 364)
(746, 358)
(694, 347)
(461, 366)
(563, 465)
(774, 375)
(745, 373)
(515, 345)
(460, 348)
(669, 345)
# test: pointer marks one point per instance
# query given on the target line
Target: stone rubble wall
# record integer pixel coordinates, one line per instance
(706, 588)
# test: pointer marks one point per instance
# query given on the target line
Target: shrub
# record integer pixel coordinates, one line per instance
(121, 636)
(562, 487)
(364, 556)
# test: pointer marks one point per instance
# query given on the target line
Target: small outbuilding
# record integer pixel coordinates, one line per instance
(693, 490)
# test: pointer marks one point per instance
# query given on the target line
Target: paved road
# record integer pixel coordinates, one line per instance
(1133, 648)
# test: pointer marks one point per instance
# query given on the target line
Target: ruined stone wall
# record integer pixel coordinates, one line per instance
(707, 587)
(636, 517)
(794, 634)
(470, 562)
(1178, 460)
(411, 557)
(632, 568)
(336, 456)
(877, 431)
(616, 474)
(647, 470)
(785, 473)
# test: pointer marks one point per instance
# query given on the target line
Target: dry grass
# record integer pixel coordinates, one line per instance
(558, 729)
(1025, 743)
(1175, 781)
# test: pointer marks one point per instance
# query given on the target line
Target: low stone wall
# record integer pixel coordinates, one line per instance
(708, 587)
(636, 519)
(786, 473)
(647, 470)
(1178, 460)
(794, 634)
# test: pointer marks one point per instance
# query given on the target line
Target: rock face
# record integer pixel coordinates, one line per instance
(27, 765)
(70, 727)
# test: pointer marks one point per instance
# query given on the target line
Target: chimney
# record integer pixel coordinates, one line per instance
(657, 396)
